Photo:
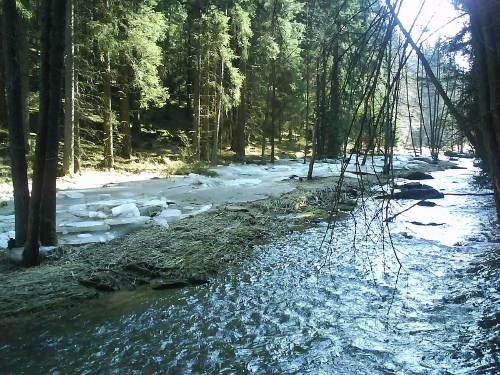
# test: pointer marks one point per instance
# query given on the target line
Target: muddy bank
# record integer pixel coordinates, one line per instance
(190, 252)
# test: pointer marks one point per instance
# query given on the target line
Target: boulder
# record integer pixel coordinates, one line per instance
(417, 176)
(426, 204)
(426, 224)
(417, 194)
(412, 186)
(414, 190)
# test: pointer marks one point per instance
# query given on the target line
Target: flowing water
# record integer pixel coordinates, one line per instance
(346, 307)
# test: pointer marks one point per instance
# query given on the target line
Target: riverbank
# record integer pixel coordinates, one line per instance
(189, 252)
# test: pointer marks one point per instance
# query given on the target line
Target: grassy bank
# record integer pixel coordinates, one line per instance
(189, 252)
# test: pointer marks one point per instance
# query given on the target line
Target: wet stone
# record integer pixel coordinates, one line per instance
(418, 176)
(426, 204)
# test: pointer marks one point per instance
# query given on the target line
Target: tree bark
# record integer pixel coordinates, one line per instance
(126, 133)
(273, 111)
(219, 114)
(69, 113)
(3, 99)
(107, 124)
(78, 152)
(42, 204)
(16, 132)
(241, 118)
(485, 31)
(332, 140)
(316, 126)
(48, 235)
(23, 47)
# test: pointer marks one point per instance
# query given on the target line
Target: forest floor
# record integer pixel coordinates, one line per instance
(188, 252)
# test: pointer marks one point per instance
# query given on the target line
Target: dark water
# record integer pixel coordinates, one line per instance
(346, 308)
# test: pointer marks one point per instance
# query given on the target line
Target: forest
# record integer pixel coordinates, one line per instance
(274, 186)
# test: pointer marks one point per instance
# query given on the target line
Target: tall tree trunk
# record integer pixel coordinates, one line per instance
(69, 88)
(197, 106)
(48, 235)
(42, 203)
(78, 151)
(273, 111)
(126, 133)
(219, 113)
(485, 31)
(316, 125)
(307, 73)
(3, 99)
(16, 133)
(265, 126)
(108, 124)
(241, 118)
(333, 136)
(23, 47)
(321, 134)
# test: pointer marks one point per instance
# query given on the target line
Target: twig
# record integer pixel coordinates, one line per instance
(389, 219)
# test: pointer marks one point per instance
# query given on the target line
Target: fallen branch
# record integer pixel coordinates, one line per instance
(390, 219)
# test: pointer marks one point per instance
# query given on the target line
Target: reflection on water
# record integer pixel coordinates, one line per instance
(301, 308)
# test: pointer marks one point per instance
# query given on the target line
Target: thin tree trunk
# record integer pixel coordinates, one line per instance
(219, 112)
(315, 128)
(126, 133)
(78, 152)
(332, 142)
(16, 133)
(273, 112)
(22, 46)
(242, 119)
(69, 78)
(108, 124)
(197, 107)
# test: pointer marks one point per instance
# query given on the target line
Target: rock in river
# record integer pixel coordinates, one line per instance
(414, 190)
(417, 176)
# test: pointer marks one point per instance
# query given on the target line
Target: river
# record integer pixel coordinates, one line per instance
(306, 304)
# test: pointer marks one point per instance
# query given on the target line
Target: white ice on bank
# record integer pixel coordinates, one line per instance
(126, 210)
(83, 226)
